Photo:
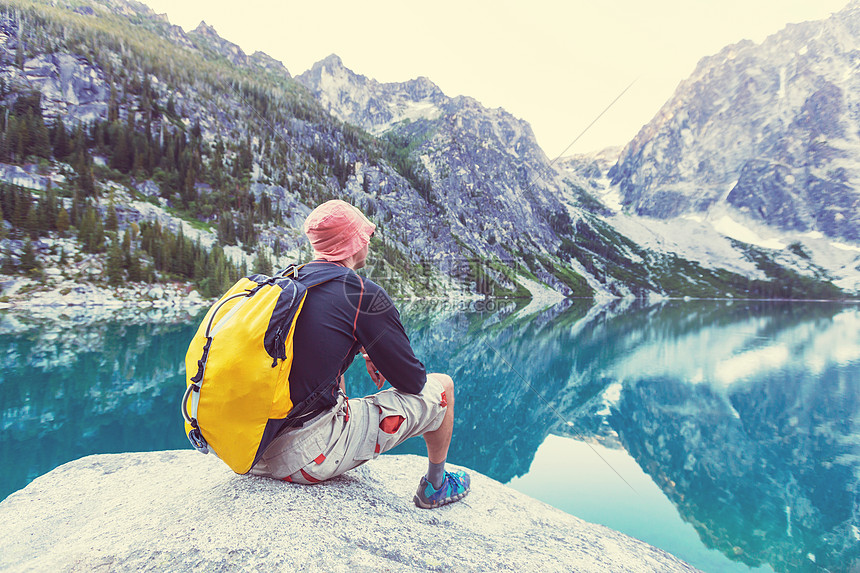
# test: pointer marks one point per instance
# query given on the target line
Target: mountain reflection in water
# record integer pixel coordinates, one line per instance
(744, 414)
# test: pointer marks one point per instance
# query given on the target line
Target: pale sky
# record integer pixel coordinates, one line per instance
(555, 64)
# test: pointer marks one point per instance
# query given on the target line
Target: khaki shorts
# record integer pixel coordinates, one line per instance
(354, 431)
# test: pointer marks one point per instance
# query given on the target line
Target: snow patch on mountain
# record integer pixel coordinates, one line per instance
(727, 226)
(410, 111)
(689, 237)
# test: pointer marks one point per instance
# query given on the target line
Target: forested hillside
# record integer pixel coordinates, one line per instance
(105, 109)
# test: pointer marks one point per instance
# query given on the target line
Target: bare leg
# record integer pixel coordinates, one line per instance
(439, 487)
(438, 440)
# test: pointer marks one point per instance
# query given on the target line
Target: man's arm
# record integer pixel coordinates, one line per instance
(372, 370)
(385, 341)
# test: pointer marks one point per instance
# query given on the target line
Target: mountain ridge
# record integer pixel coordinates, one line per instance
(462, 193)
(576, 195)
(762, 128)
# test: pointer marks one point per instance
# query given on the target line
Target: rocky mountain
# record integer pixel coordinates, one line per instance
(264, 146)
(484, 170)
(591, 167)
(131, 115)
(487, 171)
(219, 150)
(768, 132)
(375, 107)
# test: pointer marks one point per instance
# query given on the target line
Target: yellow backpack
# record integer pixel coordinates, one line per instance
(238, 367)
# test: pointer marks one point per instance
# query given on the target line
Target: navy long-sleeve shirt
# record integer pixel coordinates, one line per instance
(338, 318)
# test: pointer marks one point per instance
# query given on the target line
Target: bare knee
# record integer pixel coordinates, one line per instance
(447, 384)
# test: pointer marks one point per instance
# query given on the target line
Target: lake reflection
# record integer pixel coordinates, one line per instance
(742, 415)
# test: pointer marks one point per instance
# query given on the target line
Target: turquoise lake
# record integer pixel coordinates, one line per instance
(725, 432)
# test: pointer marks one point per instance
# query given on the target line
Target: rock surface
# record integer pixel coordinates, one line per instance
(180, 511)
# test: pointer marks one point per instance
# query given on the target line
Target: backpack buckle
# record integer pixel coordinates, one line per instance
(198, 441)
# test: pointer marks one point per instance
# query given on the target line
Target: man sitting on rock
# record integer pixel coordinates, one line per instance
(339, 319)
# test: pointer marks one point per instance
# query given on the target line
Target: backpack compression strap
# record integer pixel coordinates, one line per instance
(195, 436)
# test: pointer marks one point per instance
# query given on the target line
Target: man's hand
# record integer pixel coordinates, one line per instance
(375, 375)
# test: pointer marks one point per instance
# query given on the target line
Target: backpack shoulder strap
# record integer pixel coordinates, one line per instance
(312, 275)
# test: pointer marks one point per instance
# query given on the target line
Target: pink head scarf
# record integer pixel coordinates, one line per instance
(337, 230)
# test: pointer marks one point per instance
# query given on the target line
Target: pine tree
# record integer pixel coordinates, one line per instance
(94, 238)
(22, 141)
(146, 97)
(5, 203)
(10, 140)
(226, 229)
(164, 251)
(200, 272)
(195, 129)
(216, 164)
(83, 167)
(62, 222)
(121, 158)
(29, 263)
(168, 157)
(223, 275)
(112, 222)
(19, 51)
(113, 104)
(178, 260)
(22, 204)
(262, 264)
(4, 147)
(126, 249)
(77, 207)
(140, 155)
(85, 228)
(40, 145)
(62, 146)
(33, 227)
(154, 157)
(48, 209)
(190, 188)
(135, 272)
(114, 269)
